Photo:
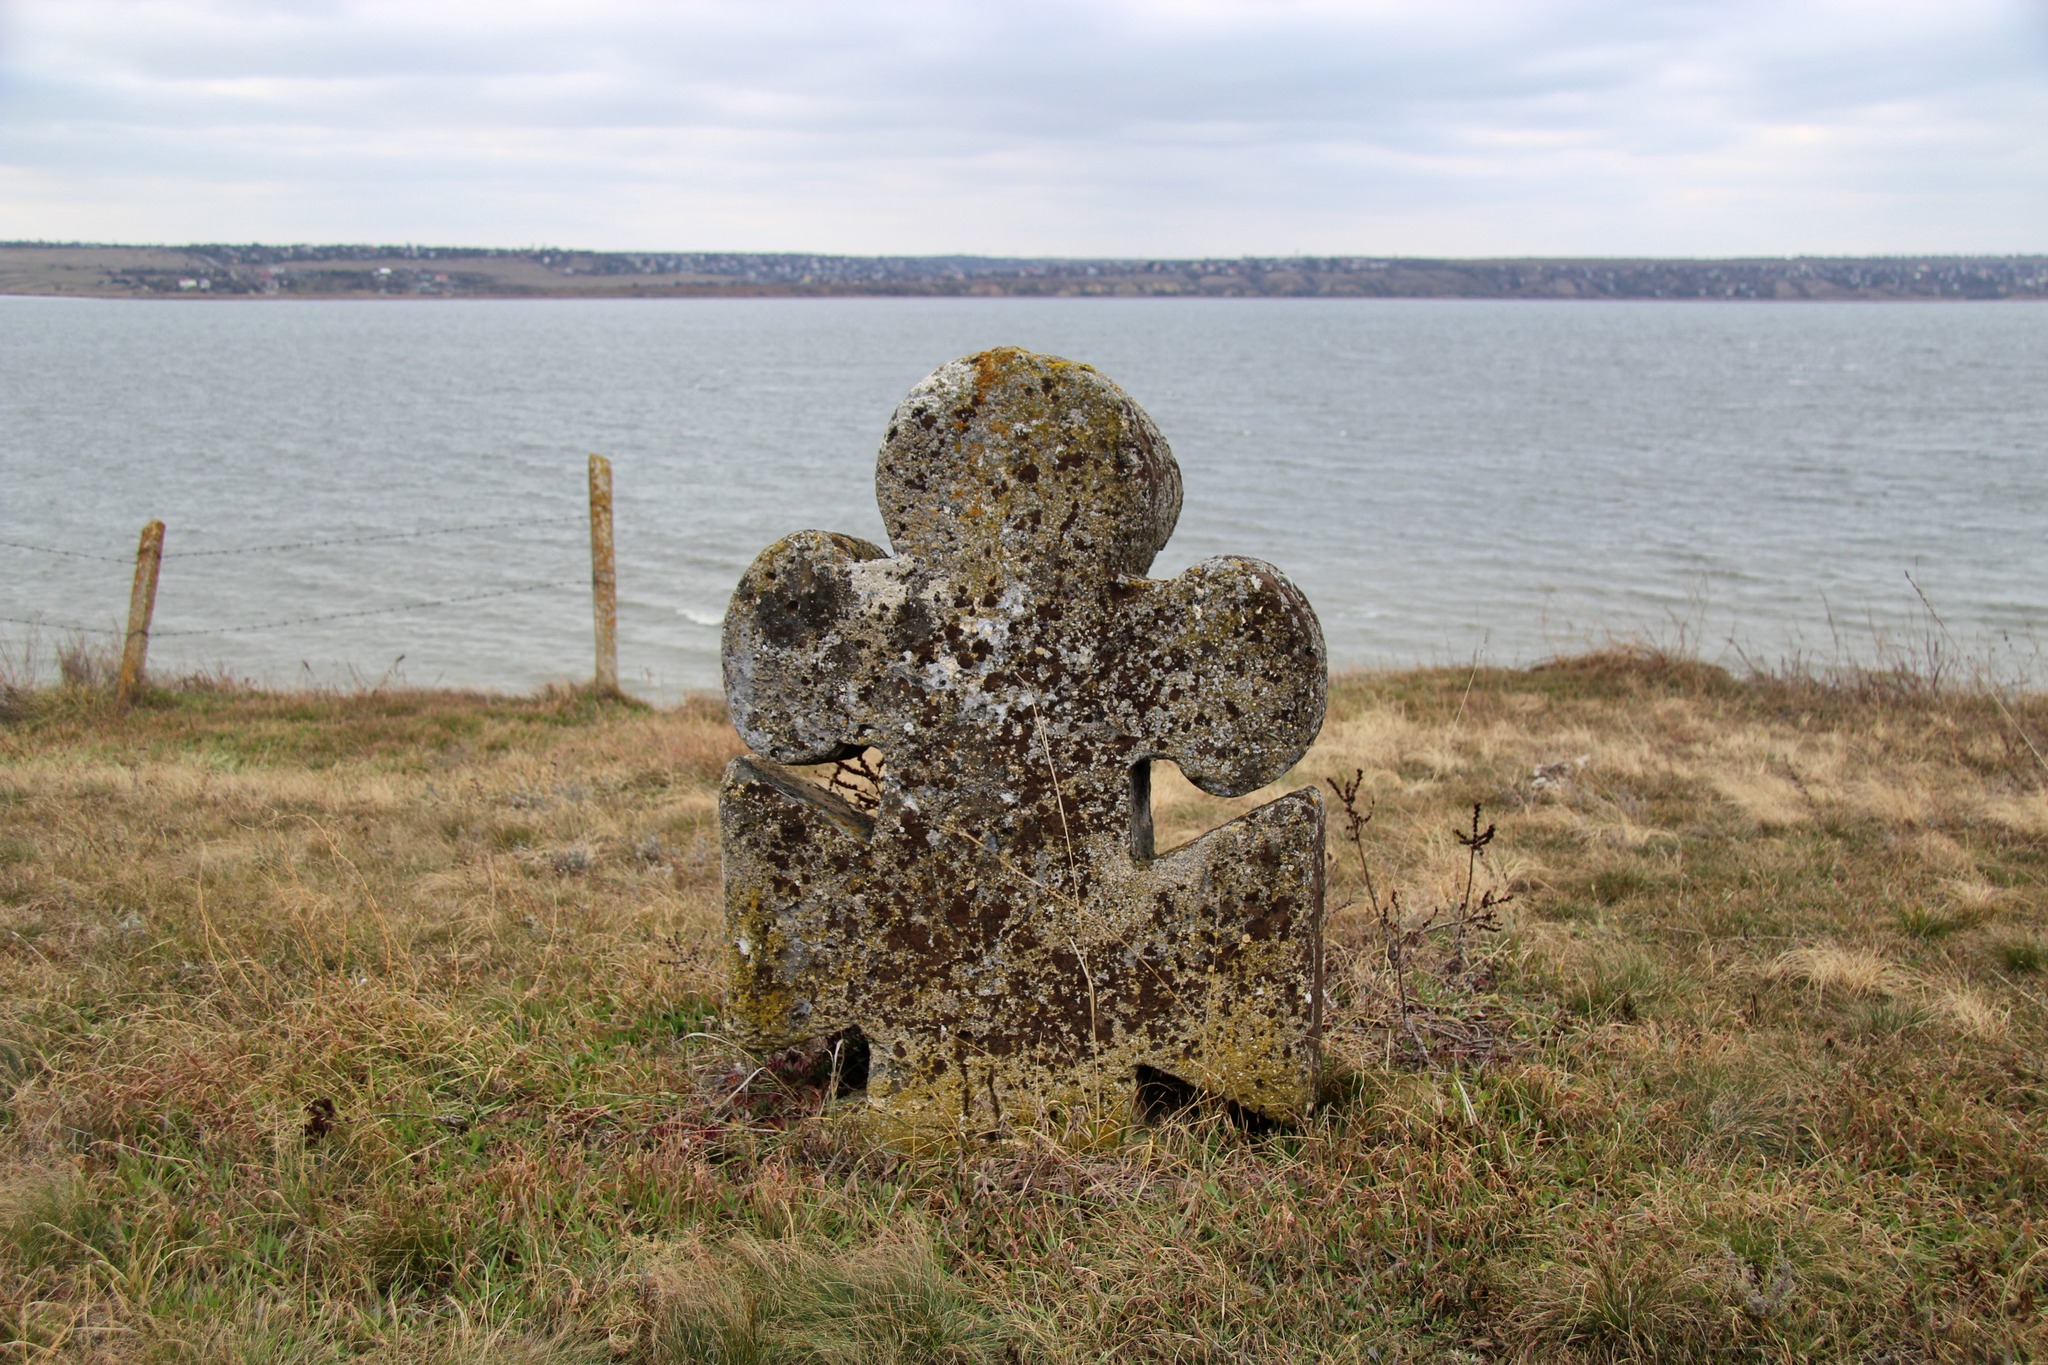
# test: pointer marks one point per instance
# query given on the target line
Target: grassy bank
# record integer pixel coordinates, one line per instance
(385, 1027)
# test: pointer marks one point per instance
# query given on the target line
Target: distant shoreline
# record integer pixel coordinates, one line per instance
(38, 269)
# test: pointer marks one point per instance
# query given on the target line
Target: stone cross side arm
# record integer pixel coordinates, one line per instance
(1001, 928)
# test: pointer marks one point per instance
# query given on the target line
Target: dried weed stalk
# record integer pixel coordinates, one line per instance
(1429, 998)
(858, 780)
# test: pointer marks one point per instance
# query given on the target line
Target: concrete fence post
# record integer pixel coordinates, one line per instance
(149, 557)
(604, 582)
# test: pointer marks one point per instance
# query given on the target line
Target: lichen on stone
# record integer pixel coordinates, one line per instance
(999, 927)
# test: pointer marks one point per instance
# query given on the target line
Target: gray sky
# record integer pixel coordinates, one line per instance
(1111, 127)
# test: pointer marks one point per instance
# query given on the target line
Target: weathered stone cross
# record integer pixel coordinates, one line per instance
(1000, 928)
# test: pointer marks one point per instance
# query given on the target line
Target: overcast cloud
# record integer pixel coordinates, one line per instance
(1113, 127)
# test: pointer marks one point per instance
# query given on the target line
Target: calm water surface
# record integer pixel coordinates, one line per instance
(1446, 480)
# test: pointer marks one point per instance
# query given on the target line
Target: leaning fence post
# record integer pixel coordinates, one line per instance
(149, 557)
(604, 582)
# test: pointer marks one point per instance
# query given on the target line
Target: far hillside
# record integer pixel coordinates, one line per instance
(218, 271)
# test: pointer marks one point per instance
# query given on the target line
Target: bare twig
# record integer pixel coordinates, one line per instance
(1405, 941)
(1991, 684)
(859, 780)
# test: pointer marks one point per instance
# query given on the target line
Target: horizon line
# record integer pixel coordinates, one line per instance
(360, 244)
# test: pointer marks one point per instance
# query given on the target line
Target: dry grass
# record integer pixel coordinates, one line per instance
(1829, 967)
(384, 1027)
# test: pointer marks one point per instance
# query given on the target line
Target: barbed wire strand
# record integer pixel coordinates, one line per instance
(300, 620)
(68, 554)
(367, 611)
(61, 625)
(364, 540)
(304, 544)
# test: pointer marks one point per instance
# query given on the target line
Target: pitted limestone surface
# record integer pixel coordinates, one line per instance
(1000, 927)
